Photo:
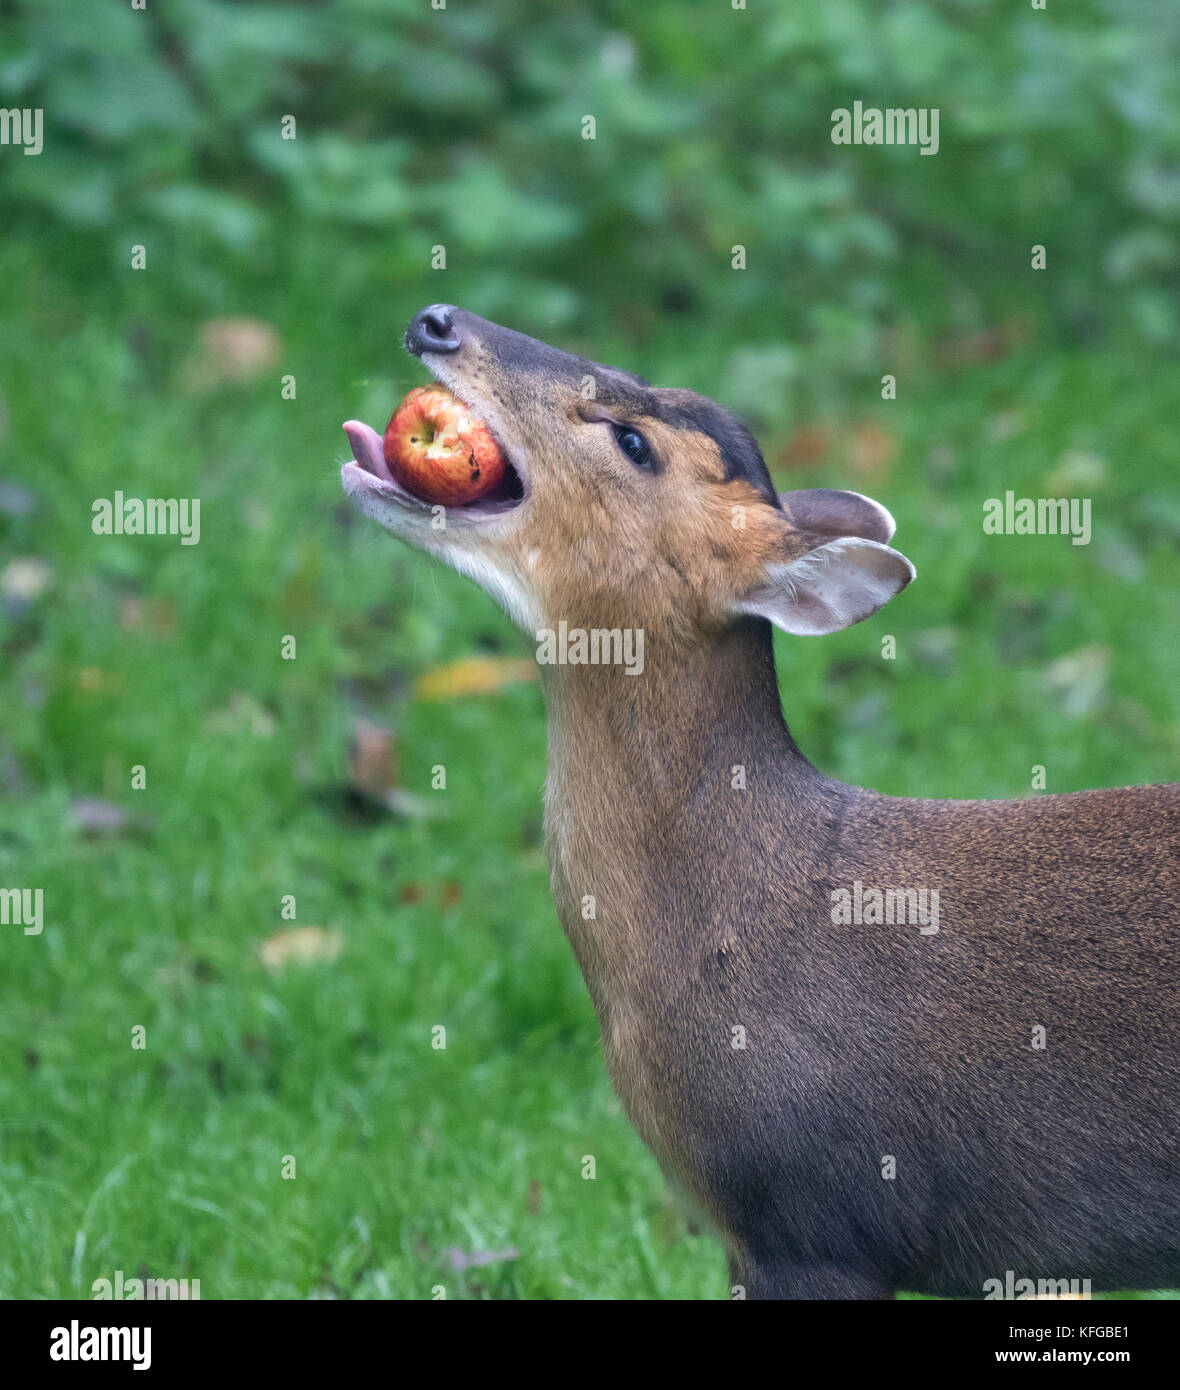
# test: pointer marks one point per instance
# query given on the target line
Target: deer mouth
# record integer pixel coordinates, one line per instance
(369, 473)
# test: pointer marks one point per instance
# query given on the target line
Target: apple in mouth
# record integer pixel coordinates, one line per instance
(437, 451)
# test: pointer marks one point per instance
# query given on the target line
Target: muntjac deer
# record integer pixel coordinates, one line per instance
(860, 1108)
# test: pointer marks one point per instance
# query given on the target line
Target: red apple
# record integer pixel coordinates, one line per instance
(439, 451)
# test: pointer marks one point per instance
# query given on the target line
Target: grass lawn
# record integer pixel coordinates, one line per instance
(168, 1159)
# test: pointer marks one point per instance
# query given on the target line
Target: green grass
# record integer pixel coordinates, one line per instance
(169, 1159)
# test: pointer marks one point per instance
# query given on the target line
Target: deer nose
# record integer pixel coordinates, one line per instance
(433, 330)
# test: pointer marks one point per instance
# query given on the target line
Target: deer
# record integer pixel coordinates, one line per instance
(856, 1108)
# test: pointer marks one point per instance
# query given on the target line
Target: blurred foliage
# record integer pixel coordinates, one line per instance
(463, 127)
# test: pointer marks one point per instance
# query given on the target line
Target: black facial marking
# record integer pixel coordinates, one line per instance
(740, 453)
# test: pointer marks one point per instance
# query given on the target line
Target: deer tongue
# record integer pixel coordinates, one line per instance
(367, 449)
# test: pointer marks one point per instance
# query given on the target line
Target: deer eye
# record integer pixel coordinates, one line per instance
(633, 445)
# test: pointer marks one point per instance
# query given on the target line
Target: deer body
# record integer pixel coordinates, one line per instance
(863, 1042)
(859, 1108)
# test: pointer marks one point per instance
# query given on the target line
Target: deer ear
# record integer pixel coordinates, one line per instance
(829, 588)
(828, 512)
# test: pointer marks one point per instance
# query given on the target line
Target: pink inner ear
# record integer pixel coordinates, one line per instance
(831, 587)
(830, 512)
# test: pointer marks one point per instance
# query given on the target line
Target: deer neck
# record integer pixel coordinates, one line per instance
(660, 787)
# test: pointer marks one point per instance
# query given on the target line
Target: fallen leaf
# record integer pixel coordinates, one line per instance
(154, 615)
(1076, 475)
(1079, 678)
(474, 675)
(460, 1260)
(404, 803)
(301, 944)
(233, 350)
(372, 760)
(807, 445)
(985, 345)
(873, 449)
(94, 816)
(242, 715)
(98, 682)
